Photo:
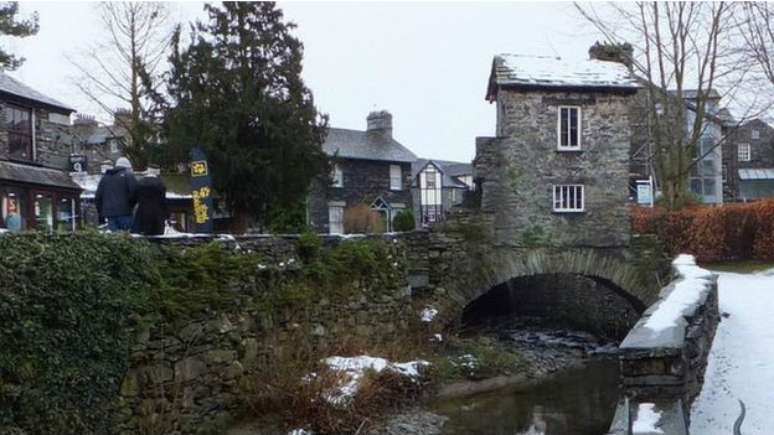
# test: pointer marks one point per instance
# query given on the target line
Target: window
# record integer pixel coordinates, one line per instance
(65, 214)
(568, 197)
(336, 219)
(568, 128)
(44, 217)
(743, 152)
(19, 124)
(113, 145)
(396, 178)
(755, 134)
(13, 211)
(338, 176)
(725, 173)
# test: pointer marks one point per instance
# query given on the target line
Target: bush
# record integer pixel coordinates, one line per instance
(309, 246)
(728, 232)
(65, 307)
(404, 221)
(361, 219)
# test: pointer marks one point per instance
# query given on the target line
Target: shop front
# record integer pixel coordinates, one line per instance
(37, 198)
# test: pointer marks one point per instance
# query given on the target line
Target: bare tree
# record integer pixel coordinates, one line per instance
(758, 31)
(684, 53)
(122, 70)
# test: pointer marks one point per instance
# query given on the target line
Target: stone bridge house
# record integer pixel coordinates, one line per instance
(35, 145)
(369, 167)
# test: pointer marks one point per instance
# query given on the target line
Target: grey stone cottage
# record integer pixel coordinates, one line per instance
(369, 167)
(35, 143)
(557, 170)
(439, 185)
(748, 162)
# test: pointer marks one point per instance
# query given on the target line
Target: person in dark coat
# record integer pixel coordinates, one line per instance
(115, 197)
(151, 215)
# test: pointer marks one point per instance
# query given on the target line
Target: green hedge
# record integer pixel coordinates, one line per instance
(65, 304)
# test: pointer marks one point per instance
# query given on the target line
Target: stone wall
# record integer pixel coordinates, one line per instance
(519, 168)
(664, 363)
(189, 377)
(53, 141)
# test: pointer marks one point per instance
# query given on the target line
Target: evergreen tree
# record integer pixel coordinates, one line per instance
(237, 92)
(11, 26)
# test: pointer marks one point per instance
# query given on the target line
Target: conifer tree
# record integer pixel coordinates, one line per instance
(10, 25)
(236, 91)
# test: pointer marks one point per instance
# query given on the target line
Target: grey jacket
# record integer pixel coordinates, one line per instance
(116, 193)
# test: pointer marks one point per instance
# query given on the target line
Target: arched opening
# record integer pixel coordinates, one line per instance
(574, 301)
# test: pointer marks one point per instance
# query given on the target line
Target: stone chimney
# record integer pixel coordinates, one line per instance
(380, 123)
(621, 53)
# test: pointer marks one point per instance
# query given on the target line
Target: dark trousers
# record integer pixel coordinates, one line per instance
(119, 223)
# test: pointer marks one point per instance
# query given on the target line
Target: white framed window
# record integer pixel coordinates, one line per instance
(743, 152)
(568, 128)
(113, 146)
(568, 198)
(756, 134)
(336, 219)
(396, 178)
(725, 173)
(338, 176)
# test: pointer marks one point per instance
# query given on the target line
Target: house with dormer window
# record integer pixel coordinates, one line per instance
(370, 168)
(559, 163)
(36, 191)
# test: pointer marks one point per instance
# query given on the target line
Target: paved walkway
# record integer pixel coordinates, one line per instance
(741, 364)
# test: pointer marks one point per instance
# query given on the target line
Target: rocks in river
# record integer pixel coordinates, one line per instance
(416, 422)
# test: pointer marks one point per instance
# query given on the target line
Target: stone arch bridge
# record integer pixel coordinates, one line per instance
(452, 266)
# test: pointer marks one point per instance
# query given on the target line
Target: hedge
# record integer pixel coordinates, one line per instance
(65, 305)
(722, 233)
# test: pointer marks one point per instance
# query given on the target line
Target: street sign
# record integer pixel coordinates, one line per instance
(201, 191)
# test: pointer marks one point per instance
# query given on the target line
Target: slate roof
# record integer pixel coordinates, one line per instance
(691, 94)
(14, 87)
(756, 174)
(547, 72)
(100, 134)
(357, 144)
(23, 173)
(448, 169)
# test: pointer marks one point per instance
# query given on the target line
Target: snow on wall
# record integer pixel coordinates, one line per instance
(664, 323)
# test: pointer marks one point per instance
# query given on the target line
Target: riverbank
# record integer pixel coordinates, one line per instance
(506, 359)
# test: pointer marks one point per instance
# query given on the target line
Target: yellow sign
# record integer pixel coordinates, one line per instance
(199, 168)
(200, 208)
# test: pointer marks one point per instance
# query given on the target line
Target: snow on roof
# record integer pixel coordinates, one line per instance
(756, 173)
(549, 71)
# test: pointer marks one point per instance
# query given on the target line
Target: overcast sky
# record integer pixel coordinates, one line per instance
(427, 63)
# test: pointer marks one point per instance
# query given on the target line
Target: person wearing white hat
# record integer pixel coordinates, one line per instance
(115, 196)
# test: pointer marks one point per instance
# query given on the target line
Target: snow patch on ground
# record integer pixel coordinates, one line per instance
(428, 314)
(647, 419)
(692, 283)
(300, 432)
(741, 361)
(354, 368)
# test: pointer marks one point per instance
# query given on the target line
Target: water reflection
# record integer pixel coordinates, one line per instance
(579, 402)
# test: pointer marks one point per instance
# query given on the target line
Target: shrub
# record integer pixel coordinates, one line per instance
(404, 221)
(361, 219)
(65, 307)
(309, 246)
